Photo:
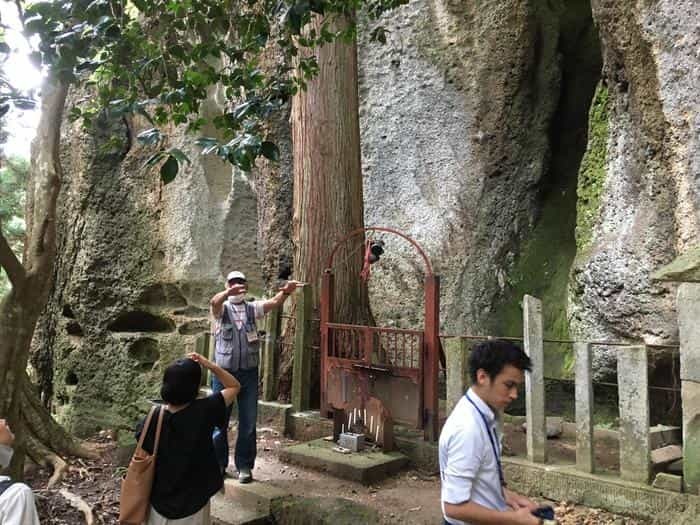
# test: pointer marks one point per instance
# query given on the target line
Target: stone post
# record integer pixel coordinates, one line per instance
(534, 381)
(272, 327)
(633, 394)
(689, 331)
(456, 353)
(201, 346)
(584, 407)
(301, 375)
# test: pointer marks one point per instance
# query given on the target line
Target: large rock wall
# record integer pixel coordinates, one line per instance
(639, 202)
(484, 137)
(138, 262)
(473, 124)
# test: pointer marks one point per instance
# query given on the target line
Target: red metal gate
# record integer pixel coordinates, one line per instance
(400, 367)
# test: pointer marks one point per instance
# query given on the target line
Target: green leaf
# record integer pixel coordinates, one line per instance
(270, 150)
(169, 169)
(154, 159)
(179, 155)
(24, 103)
(150, 136)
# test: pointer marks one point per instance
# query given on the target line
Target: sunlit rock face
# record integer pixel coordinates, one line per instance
(542, 148)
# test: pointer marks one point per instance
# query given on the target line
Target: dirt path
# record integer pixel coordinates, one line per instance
(411, 497)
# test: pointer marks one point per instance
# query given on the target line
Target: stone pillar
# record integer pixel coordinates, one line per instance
(584, 407)
(301, 373)
(534, 381)
(201, 346)
(272, 327)
(689, 331)
(456, 353)
(633, 394)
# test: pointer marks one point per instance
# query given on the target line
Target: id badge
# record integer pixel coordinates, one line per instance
(252, 336)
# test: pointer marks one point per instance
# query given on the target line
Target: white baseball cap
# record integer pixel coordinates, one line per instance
(235, 275)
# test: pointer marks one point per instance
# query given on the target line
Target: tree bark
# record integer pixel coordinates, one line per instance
(327, 202)
(35, 430)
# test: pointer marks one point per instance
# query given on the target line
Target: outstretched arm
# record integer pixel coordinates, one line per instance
(278, 300)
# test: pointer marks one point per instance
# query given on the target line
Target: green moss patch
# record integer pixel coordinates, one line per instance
(591, 177)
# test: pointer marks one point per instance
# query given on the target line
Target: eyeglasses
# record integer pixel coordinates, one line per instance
(237, 280)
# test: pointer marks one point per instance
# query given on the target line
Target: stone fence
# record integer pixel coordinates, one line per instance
(633, 396)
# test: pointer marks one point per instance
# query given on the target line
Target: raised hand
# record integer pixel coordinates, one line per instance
(290, 287)
(6, 435)
(236, 289)
(197, 358)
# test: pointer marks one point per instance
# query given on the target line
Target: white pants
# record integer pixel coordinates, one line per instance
(17, 506)
(201, 517)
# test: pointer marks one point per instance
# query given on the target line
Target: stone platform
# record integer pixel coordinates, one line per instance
(365, 467)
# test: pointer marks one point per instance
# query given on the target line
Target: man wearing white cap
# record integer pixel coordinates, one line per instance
(237, 350)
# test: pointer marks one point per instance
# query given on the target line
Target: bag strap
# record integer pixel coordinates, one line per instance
(146, 426)
(158, 429)
(250, 311)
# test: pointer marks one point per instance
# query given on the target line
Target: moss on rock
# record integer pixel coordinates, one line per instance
(542, 270)
(591, 178)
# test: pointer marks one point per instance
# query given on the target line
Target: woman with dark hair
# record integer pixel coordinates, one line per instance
(187, 473)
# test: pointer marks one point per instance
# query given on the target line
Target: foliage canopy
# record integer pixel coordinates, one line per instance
(161, 59)
(13, 181)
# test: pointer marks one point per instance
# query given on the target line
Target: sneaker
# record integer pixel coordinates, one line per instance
(245, 476)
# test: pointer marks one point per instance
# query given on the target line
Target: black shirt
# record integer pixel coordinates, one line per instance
(187, 472)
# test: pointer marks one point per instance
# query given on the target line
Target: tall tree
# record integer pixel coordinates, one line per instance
(328, 201)
(37, 433)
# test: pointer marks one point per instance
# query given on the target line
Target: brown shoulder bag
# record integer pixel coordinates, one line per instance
(135, 500)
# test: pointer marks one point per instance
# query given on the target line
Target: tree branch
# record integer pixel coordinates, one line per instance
(46, 180)
(10, 263)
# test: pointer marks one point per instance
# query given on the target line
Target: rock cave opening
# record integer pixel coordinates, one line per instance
(545, 257)
(145, 352)
(74, 328)
(71, 378)
(140, 321)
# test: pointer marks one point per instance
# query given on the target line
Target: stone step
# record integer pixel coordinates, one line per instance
(664, 435)
(226, 511)
(255, 495)
(666, 481)
(365, 467)
(661, 457)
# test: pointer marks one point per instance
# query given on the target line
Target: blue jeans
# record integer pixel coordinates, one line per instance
(246, 446)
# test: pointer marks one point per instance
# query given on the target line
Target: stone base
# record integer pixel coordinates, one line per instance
(670, 482)
(306, 426)
(364, 467)
(225, 511)
(254, 495)
(633, 499)
(273, 414)
(322, 511)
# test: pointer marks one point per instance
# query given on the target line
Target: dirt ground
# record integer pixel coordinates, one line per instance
(411, 497)
(563, 451)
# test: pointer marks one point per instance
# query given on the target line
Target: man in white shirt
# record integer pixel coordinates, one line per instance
(16, 499)
(473, 489)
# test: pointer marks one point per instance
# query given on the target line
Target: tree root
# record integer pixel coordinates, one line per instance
(46, 442)
(80, 504)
